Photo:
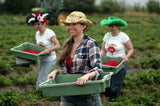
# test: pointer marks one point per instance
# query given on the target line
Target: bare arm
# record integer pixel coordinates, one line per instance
(103, 51)
(82, 80)
(55, 47)
(130, 48)
(54, 73)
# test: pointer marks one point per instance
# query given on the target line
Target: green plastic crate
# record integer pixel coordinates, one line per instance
(107, 68)
(65, 85)
(18, 51)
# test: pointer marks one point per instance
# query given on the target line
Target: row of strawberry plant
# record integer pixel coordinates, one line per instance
(29, 98)
(148, 77)
(150, 63)
(18, 80)
(145, 63)
(141, 89)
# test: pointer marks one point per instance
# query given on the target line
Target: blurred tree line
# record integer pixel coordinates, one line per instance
(18, 6)
(153, 6)
(87, 6)
(80, 5)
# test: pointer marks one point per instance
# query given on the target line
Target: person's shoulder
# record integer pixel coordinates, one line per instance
(50, 30)
(123, 34)
(90, 38)
(37, 32)
(91, 41)
(107, 34)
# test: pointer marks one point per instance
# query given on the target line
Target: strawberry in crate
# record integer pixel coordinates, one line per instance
(112, 63)
(31, 51)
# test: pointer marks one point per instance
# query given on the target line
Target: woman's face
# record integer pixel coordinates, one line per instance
(75, 29)
(113, 28)
(39, 25)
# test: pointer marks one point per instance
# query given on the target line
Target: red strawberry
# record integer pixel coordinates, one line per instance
(111, 63)
(31, 51)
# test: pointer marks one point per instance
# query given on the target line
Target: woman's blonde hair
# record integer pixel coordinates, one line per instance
(67, 47)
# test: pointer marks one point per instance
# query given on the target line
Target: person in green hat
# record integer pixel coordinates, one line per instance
(115, 44)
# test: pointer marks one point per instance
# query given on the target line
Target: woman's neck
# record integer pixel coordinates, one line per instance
(78, 39)
(115, 33)
(42, 31)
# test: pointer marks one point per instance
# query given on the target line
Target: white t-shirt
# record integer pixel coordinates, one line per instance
(115, 45)
(45, 39)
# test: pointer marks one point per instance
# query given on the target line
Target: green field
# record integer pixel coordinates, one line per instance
(142, 88)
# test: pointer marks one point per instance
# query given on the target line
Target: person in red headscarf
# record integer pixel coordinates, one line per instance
(47, 38)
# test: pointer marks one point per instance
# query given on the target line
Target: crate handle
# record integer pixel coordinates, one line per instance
(20, 45)
(121, 63)
(106, 76)
(42, 53)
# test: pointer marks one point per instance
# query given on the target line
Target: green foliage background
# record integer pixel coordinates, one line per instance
(87, 6)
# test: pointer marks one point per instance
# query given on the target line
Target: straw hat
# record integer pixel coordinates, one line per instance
(78, 17)
(112, 20)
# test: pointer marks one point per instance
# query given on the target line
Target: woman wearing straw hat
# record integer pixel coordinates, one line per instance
(114, 44)
(81, 54)
(47, 38)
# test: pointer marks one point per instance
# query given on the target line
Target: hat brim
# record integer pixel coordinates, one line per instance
(86, 22)
(118, 22)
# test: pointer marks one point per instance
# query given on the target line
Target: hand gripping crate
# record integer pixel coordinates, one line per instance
(114, 69)
(65, 85)
(18, 51)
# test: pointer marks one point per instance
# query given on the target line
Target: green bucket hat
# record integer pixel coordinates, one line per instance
(112, 20)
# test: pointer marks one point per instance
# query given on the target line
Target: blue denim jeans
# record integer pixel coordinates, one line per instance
(116, 83)
(44, 69)
(81, 100)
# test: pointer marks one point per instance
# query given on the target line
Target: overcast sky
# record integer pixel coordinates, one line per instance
(130, 2)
